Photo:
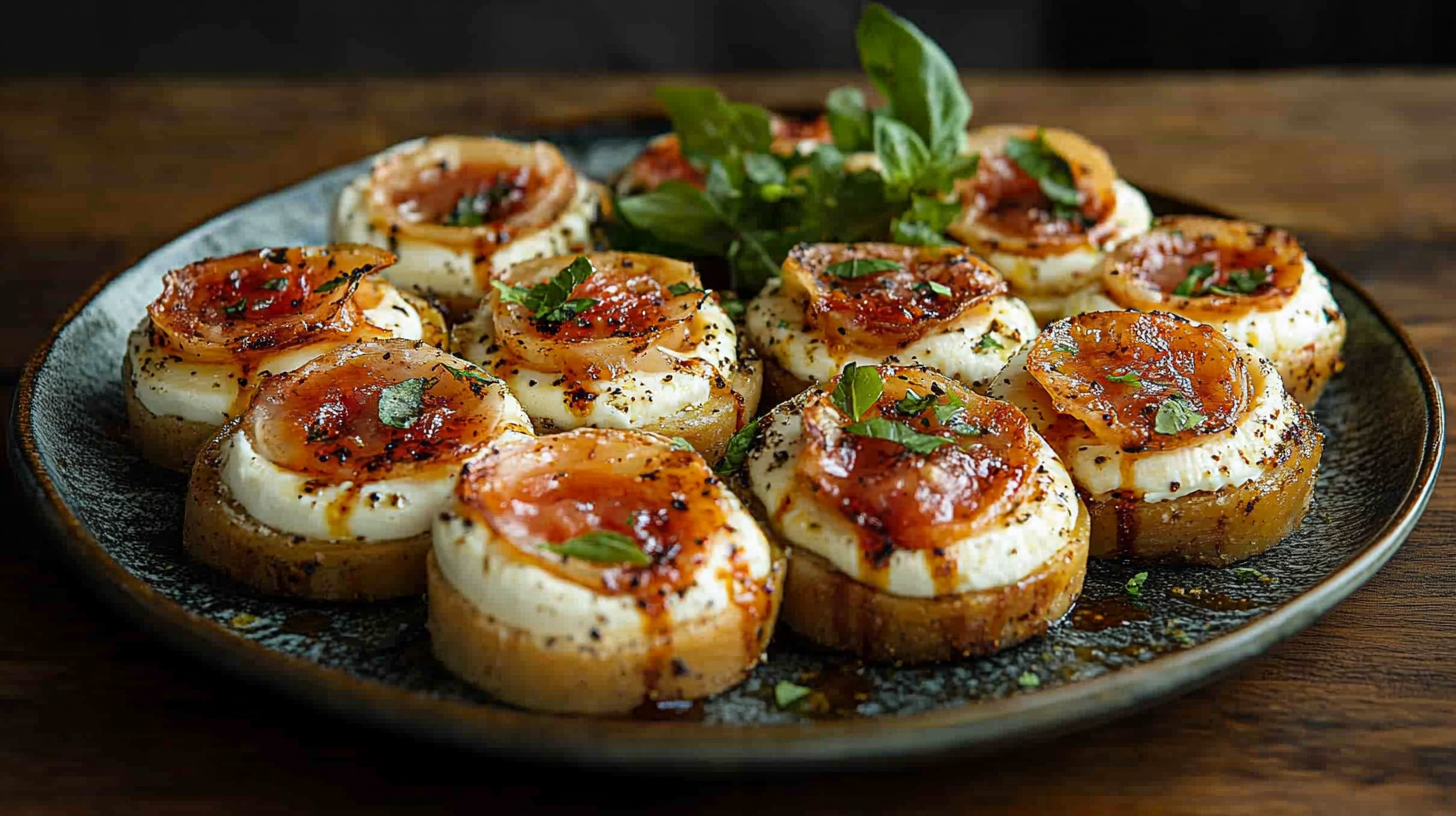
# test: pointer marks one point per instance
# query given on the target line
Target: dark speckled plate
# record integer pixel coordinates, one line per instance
(118, 519)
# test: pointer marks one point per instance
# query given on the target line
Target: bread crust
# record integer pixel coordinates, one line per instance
(220, 533)
(836, 611)
(779, 384)
(574, 676)
(1219, 528)
(1308, 370)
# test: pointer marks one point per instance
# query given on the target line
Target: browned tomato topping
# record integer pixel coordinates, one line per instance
(375, 410)
(269, 299)
(660, 162)
(1205, 268)
(1006, 207)
(661, 502)
(919, 288)
(629, 304)
(900, 498)
(466, 195)
(1142, 381)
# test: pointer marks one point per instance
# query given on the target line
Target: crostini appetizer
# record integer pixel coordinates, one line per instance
(1252, 282)
(616, 340)
(940, 307)
(597, 570)
(327, 486)
(223, 325)
(662, 160)
(926, 522)
(1183, 443)
(459, 210)
(1043, 207)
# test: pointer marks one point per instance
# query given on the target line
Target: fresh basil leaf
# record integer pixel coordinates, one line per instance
(902, 152)
(1176, 414)
(400, 404)
(1130, 378)
(1135, 584)
(934, 288)
(849, 120)
(330, 285)
(678, 213)
(918, 79)
(1051, 171)
(678, 443)
(1248, 281)
(1193, 284)
(755, 257)
(989, 341)
(899, 433)
(924, 224)
(738, 447)
(912, 405)
(464, 374)
(235, 309)
(603, 547)
(680, 288)
(551, 302)
(734, 308)
(786, 693)
(709, 125)
(859, 267)
(763, 168)
(947, 411)
(276, 284)
(857, 391)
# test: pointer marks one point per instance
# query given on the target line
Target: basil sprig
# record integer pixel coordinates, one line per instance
(738, 447)
(551, 302)
(603, 547)
(857, 391)
(1052, 173)
(899, 433)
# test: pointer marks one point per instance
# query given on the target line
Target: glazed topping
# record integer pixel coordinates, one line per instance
(375, 410)
(600, 310)
(660, 162)
(914, 459)
(878, 296)
(1040, 189)
(469, 191)
(1206, 268)
(266, 300)
(621, 512)
(1142, 381)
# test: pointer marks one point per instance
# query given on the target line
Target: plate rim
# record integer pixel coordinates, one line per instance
(874, 742)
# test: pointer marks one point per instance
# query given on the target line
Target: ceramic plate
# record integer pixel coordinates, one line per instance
(118, 519)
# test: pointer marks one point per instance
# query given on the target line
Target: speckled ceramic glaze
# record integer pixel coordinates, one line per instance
(119, 520)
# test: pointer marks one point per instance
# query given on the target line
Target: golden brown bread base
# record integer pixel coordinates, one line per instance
(573, 677)
(1307, 371)
(167, 441)
(779, 384)
(836, 611)
(1215, 528)
(217, 531)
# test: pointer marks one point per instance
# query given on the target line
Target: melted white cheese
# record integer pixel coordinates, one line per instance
(956, 349)
(1310, 319)
(206, 392)
(450, 270)
(1232, 457)
(635, 399)
(1009, 550)
(481, 566)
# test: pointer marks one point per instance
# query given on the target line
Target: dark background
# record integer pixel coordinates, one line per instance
(344, 38)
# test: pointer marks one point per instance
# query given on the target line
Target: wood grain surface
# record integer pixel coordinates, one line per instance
(1357, 714)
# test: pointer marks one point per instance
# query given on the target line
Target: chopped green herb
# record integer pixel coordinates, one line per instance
(859, 267)
(735, 308)
(1052, 173)
(678, 443)
(859, 388)
(737, 450)
(786, 693)
(330, 285)
(1028, 680)
(602, 546)
(1064, 348)
(1127, 379)
(1196, 281)
(551, 302)
(1243, 282)
(400, 404)
(899, 433)
(1176, 414)
(235, 309)
(1246, 574)
(1135, 584)
(913, 405)
(679, 289)
(469, 374)
(938, 289)
(276, 284)
(989, 341)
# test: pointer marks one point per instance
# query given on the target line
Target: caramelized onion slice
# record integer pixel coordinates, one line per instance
(1116, 371)
(635, 311)
(414, 191)
(890, 308)
(629, 483)
(1005, 208)
(325, 419)
(902, 499)
(263, 300)
(1254, 268)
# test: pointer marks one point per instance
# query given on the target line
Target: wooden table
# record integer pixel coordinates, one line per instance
(1359, 712)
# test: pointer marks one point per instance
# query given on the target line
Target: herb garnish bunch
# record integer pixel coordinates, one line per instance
(757, 205)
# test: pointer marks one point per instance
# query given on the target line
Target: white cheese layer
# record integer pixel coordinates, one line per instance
(292, 504)
(1309, 320)
(635, 399)
(519, 594)
(206, 392)
(1012, 549)
(972, 348)
(449, 270)
(1233, 457)
(1045, 281)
